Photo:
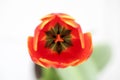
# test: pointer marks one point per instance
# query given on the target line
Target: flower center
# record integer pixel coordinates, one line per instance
(58, 38)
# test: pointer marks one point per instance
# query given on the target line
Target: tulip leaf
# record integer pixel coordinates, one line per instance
(46, 73)
(101, 55)
(85, 71)
(49, 74)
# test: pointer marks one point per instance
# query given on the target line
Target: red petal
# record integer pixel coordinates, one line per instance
(31, 49)
(85, 54)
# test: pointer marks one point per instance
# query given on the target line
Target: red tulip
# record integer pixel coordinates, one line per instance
(59, 42)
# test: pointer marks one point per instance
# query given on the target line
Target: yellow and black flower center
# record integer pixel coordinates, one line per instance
(58, 38)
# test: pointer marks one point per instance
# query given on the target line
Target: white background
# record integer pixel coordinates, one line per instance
(18, 19)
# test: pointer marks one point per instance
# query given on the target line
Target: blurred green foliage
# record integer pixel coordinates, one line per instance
(49, 74)
(101, 55)
(85, 71)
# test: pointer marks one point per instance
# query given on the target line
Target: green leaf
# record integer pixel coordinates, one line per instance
(45, 73)
(85, 71)
(101, 55)
(49, 74)
(88, 70)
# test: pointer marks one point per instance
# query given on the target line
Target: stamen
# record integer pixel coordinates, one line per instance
(58, 38)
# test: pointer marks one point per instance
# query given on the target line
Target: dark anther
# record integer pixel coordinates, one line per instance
(50, 43)
(52, 35)
(57, 28)
(65, 33)
(58, 47)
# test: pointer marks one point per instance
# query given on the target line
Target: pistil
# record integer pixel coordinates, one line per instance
(58, 38)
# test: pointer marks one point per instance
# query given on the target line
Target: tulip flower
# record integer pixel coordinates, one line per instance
(59, 42)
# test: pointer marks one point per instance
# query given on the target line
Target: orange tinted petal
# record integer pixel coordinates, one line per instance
(30, 45)
(65, 16)
(44, 23)
(47, 17)
(88, 45)
(31, 50)
(70, 22)
(48, 63)
(87, 50)
(35, 41)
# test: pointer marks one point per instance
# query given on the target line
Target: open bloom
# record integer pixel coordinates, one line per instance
(59, 42)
